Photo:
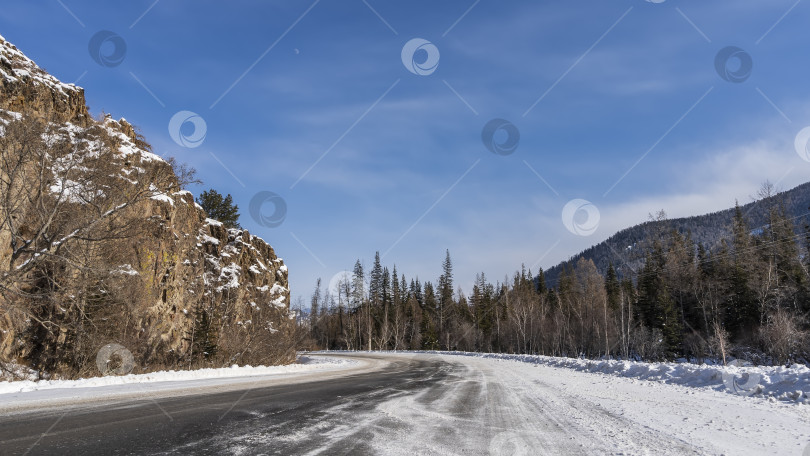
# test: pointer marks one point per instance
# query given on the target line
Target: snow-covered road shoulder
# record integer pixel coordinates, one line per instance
(506, 404)
(789, 384)
(15, 395)
(304, 364)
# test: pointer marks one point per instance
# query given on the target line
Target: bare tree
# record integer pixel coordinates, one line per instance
(719, 341)
(67, 196)
(782, 335)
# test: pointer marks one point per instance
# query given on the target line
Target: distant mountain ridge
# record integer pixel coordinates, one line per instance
(707, 230)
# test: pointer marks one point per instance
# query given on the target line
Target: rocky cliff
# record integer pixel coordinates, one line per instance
(26, 87)
(100, 244)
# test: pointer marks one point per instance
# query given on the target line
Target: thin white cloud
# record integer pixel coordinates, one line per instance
(705, 186)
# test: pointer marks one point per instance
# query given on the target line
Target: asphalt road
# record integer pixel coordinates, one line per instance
(409, 404)
(279, 419)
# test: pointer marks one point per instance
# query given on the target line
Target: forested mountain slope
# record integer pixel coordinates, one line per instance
(622, 249)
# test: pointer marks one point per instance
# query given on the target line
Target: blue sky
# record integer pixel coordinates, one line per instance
(617, 103)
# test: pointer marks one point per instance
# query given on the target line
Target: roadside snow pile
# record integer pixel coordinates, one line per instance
(790, 384)
(304, 364)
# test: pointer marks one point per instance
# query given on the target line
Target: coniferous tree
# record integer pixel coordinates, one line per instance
(375, 285)
(655, 304)
(203, 336)
(386, 287)
(612, 288)
(741, 310)
(540, 281)
(446, 280)
(220, 208)
(804, 296)
(403, 289)
(445, 298)
(395, 293)
(314, 306)
(416, 290)
(687, 294)
(430, 336)
(358, 285)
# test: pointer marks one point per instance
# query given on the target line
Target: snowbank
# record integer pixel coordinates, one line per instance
(304, 364)
(791, 384)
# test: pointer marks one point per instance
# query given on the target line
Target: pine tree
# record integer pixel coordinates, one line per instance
(314, 307)
(203, 335)
(650, 287)
(375, 285)
(786, 248)
(445, 303)
(430, 338)
(656, 306)
(358, 285)
(446, 280)
(741, 311)
(612, 288)
(396, 297)
(540, 282)
(804, 292)
(386, 290)
(219, 208)
(403, 289)
(416, 290)
(483, 307)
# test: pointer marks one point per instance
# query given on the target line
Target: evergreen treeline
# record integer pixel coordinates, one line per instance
(747, 297)
(622, 250)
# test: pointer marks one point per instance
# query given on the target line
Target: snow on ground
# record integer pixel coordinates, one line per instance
(502, 406)
(494, 405)
(610, 414)
(171, 379)
(783, 383)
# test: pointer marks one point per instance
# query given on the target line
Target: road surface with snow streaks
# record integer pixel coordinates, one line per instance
(417, 404)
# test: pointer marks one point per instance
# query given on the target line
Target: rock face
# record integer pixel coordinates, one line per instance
(25, 87)
(180, 290)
